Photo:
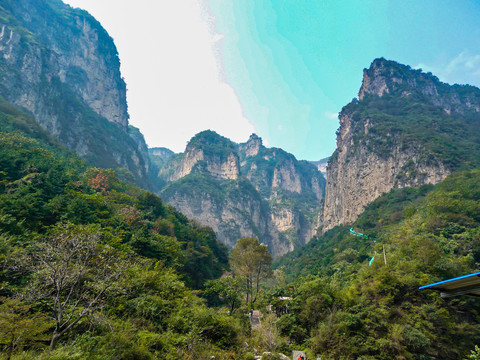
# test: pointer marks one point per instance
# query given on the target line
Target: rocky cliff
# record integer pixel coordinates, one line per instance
(61, 66)
(245, 190)
(406, 129)
(321, 165)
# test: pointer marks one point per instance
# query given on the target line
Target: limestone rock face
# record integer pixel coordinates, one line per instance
(354, 183)
(209, 153)
(245, 190)
(61, 66)
(79, 53)
(385, 76)
(252, 146)
(286, 178)
(321, 165)
(397, 135)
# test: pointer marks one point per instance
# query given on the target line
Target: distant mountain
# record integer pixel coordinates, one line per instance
(243, 190)
(160, 155)
(321, 165)
(60, 65)
(406, 129)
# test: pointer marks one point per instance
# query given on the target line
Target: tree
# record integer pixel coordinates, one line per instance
(72, 270)
(18, 326)
(228, 289)
(474, 355)
(251, 259)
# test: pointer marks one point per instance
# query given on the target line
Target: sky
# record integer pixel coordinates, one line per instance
(280, 68)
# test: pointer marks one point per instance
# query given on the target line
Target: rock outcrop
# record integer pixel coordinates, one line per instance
(207, 152)
(245, 190)
(61, 66)
(398, 134)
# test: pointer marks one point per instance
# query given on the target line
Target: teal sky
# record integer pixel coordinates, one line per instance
(294, 63)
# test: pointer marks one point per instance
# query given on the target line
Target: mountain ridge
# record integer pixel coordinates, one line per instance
(244, 190)
(407, 129)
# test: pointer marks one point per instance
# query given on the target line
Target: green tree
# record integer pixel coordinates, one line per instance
(72, 270)
(228, 289)
(251, 259)
(19, 326)
(475, 354)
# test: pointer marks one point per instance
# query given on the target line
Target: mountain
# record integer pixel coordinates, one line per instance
(321, 165)
(159, 155)
(406, 129)
(59, 65)
(243, 190)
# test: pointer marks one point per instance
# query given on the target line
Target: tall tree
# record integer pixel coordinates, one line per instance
(72, 270)
(251, 259)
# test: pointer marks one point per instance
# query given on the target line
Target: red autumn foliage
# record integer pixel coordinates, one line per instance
(100, 183)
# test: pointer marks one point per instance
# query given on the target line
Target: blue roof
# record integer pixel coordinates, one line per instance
(463, 285)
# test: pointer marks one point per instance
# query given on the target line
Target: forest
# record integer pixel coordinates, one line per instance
(95, 268)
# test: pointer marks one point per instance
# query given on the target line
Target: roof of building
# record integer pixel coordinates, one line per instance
(468, 285)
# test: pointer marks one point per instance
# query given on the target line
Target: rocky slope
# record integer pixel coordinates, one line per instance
(61, 66)
(406, 129)
(244, 190)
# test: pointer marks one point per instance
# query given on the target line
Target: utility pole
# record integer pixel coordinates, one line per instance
(384, 256)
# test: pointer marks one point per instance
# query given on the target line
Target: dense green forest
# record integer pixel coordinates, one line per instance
(94, 267)
(344, 308)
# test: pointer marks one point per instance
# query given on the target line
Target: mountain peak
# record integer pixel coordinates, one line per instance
(388, 77)
(209, 139)
(252, 146)
(385, 76)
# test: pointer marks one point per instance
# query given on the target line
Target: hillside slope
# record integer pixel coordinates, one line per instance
(342, 307)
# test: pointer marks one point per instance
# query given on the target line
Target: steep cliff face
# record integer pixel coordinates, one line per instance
(61, 66)
(233, 208)
(245, 190)
(206, 152)
(294, 189)
(273, 169)
(407, 129)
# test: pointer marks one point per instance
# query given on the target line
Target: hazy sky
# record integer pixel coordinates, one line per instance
(280, 68)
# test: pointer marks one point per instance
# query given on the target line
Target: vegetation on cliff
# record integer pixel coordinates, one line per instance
(342, 307)
(92, 267)
(276, 197)
(61, 66)
(126, 261)
(437, 121)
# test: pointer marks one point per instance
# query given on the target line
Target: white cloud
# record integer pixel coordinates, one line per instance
(331, 115)
(464, 68)
(169, 54)
(424, 67)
